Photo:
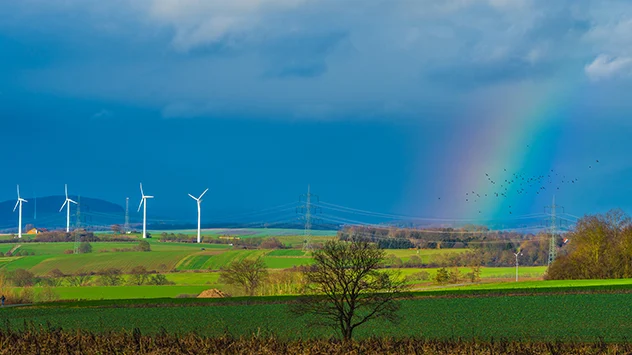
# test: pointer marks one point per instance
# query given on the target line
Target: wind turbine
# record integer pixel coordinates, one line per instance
(67, 203)
(199, 201)
(143, 203)
(19, 203)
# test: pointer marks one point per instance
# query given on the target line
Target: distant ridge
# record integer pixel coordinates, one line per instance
(94, 212)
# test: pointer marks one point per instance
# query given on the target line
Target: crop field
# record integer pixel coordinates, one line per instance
(125, 261)
(525, 318)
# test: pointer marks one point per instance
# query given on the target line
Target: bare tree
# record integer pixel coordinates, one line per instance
(353, 291)
(247, 273)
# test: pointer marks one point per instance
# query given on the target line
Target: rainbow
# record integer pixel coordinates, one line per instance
(516, 134)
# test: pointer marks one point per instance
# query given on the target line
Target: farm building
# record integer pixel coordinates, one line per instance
(36, 230)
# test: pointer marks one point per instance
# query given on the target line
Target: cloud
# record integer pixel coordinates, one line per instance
(101, 115)
(207, 57)
(606, 67)
(203, 22)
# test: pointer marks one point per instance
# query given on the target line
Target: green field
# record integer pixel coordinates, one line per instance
(565, 317)
(426, 255)
(290, 252)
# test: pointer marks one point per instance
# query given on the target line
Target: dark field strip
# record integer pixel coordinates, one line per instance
(55, 341)
(539, 317)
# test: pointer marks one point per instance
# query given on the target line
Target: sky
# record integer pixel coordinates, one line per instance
(399, 106)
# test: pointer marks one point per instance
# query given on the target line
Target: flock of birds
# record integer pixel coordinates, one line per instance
(522, 184)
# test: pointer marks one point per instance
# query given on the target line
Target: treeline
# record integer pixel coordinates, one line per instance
(61, 236)
(428, 238)
(600, 247)
(485, 248)
(235, 241)
(138, 276)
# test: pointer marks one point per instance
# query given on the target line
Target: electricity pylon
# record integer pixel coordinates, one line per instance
(552, 229)
(308, 210)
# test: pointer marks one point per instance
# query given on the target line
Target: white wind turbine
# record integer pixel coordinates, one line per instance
(19, 203)
(199, 201)
(66, 204)
(143, 203)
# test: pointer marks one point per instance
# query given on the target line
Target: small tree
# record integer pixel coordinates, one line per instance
(354, 290)
(247, 273)
(110, 277)
(143, 245)
(85, 248)
(443, 276)
(138, 276)
(116, 228)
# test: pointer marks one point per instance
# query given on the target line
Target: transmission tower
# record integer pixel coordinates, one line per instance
(78, 224)
(553, 230)
(308, 210)
(126, 227)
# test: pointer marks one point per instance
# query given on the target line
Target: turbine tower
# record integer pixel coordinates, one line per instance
(66, 204)
(19, 203)
(199, 201)
(143, 203)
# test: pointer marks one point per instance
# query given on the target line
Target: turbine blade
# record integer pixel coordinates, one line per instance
(69, 200)
(23, 200)
(66, 189)
(16, 205)
(18, 191)
(141, 203)
(64, 205)
(149, 197)
(203, 193)
(193, 197)
(141, 189)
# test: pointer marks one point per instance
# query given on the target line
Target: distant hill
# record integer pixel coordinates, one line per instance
(94, 212)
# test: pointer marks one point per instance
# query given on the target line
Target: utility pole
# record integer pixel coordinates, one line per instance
(308, 210)
(552, 228)
(126, 227)
(517, 254)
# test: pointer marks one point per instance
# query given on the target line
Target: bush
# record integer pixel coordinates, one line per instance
(85, 248)
(414, 261)
(419, 276)
(21, 278)
(159, 280)
(138, 276)
(143, 245)
(48, 294)
(27, 295)
(110, 277)
(69, 251)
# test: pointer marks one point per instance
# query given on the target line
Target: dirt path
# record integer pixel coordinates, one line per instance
(14, 248)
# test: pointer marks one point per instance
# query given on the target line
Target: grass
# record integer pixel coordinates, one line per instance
(566, 317)
(426, 255)
(286, 252)
(217, 261)
(285, 262)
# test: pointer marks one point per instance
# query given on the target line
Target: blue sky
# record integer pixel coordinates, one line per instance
(368, 101)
